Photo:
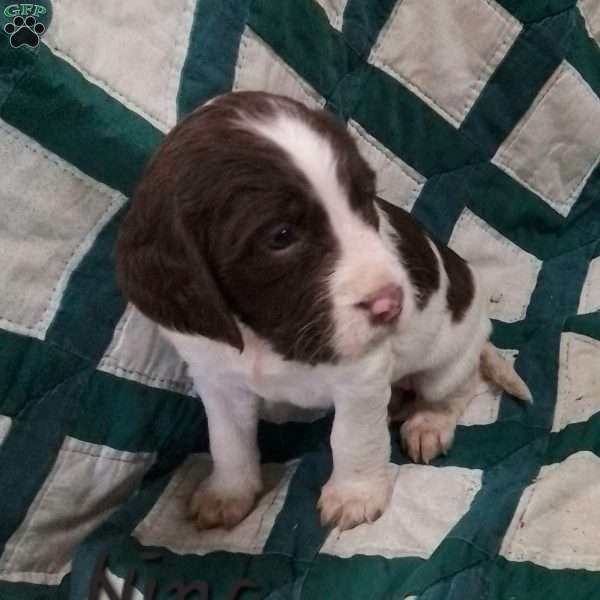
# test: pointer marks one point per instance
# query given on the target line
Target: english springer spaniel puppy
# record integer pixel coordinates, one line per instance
(256, 242)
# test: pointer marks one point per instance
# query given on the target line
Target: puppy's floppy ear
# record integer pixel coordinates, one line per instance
(164, 272)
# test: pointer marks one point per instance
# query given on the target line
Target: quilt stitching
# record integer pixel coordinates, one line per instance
(470, 217)
(503, 158)
(35, 508)
(243, 60)
(39, 328)
(176, 385)
(389, 157)
(587, 288)
(179, 51)
(521, 332)
(6, 558)
(112, 363)
(568, 381)
(522, 553)
(126, 101)
(487, 68)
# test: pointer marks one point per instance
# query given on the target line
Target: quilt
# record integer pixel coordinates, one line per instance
(481, 118)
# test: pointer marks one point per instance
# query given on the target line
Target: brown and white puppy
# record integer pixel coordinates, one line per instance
(255, 241)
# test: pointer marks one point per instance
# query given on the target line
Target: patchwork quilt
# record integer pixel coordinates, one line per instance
(481, 117)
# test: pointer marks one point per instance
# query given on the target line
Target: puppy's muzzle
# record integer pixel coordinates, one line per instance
(383, 306)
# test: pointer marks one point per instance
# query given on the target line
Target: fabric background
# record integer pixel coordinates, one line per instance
(481, 117)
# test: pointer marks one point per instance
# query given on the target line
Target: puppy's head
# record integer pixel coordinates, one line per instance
(258, 210)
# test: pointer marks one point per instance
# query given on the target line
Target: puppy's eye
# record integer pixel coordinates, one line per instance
(281, 237)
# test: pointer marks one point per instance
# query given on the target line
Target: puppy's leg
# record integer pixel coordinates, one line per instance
(402, 396)
(359, 488)
(229, 493)
(442, 394)
(503, 374)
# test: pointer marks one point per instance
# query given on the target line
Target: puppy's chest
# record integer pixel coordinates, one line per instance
(281, 382)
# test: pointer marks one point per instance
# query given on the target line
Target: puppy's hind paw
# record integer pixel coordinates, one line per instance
(428, 433)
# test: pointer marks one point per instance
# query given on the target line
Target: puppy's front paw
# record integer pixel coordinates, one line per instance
(427, 433)
(347, 504)
(218, 505)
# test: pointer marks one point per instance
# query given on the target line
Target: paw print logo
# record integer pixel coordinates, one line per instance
(24, 32)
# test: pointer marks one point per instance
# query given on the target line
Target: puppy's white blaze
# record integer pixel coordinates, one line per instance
(366, 263)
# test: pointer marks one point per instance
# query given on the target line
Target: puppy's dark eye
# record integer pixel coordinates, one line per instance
(281, 237)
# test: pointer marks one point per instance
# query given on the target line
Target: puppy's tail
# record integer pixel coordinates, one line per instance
(502, 373)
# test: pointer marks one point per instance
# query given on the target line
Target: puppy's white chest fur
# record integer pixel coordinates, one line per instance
(259, 371)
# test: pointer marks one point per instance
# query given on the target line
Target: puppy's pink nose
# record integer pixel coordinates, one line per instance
(384, 305)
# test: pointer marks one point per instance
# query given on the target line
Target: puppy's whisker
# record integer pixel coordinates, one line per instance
(304, 336)
(312, 329)
(326, 335)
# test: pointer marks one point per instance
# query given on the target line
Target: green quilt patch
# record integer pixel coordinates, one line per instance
(488, 113)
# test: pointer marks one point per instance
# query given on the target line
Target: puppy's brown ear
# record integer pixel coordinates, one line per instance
(164, 273)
